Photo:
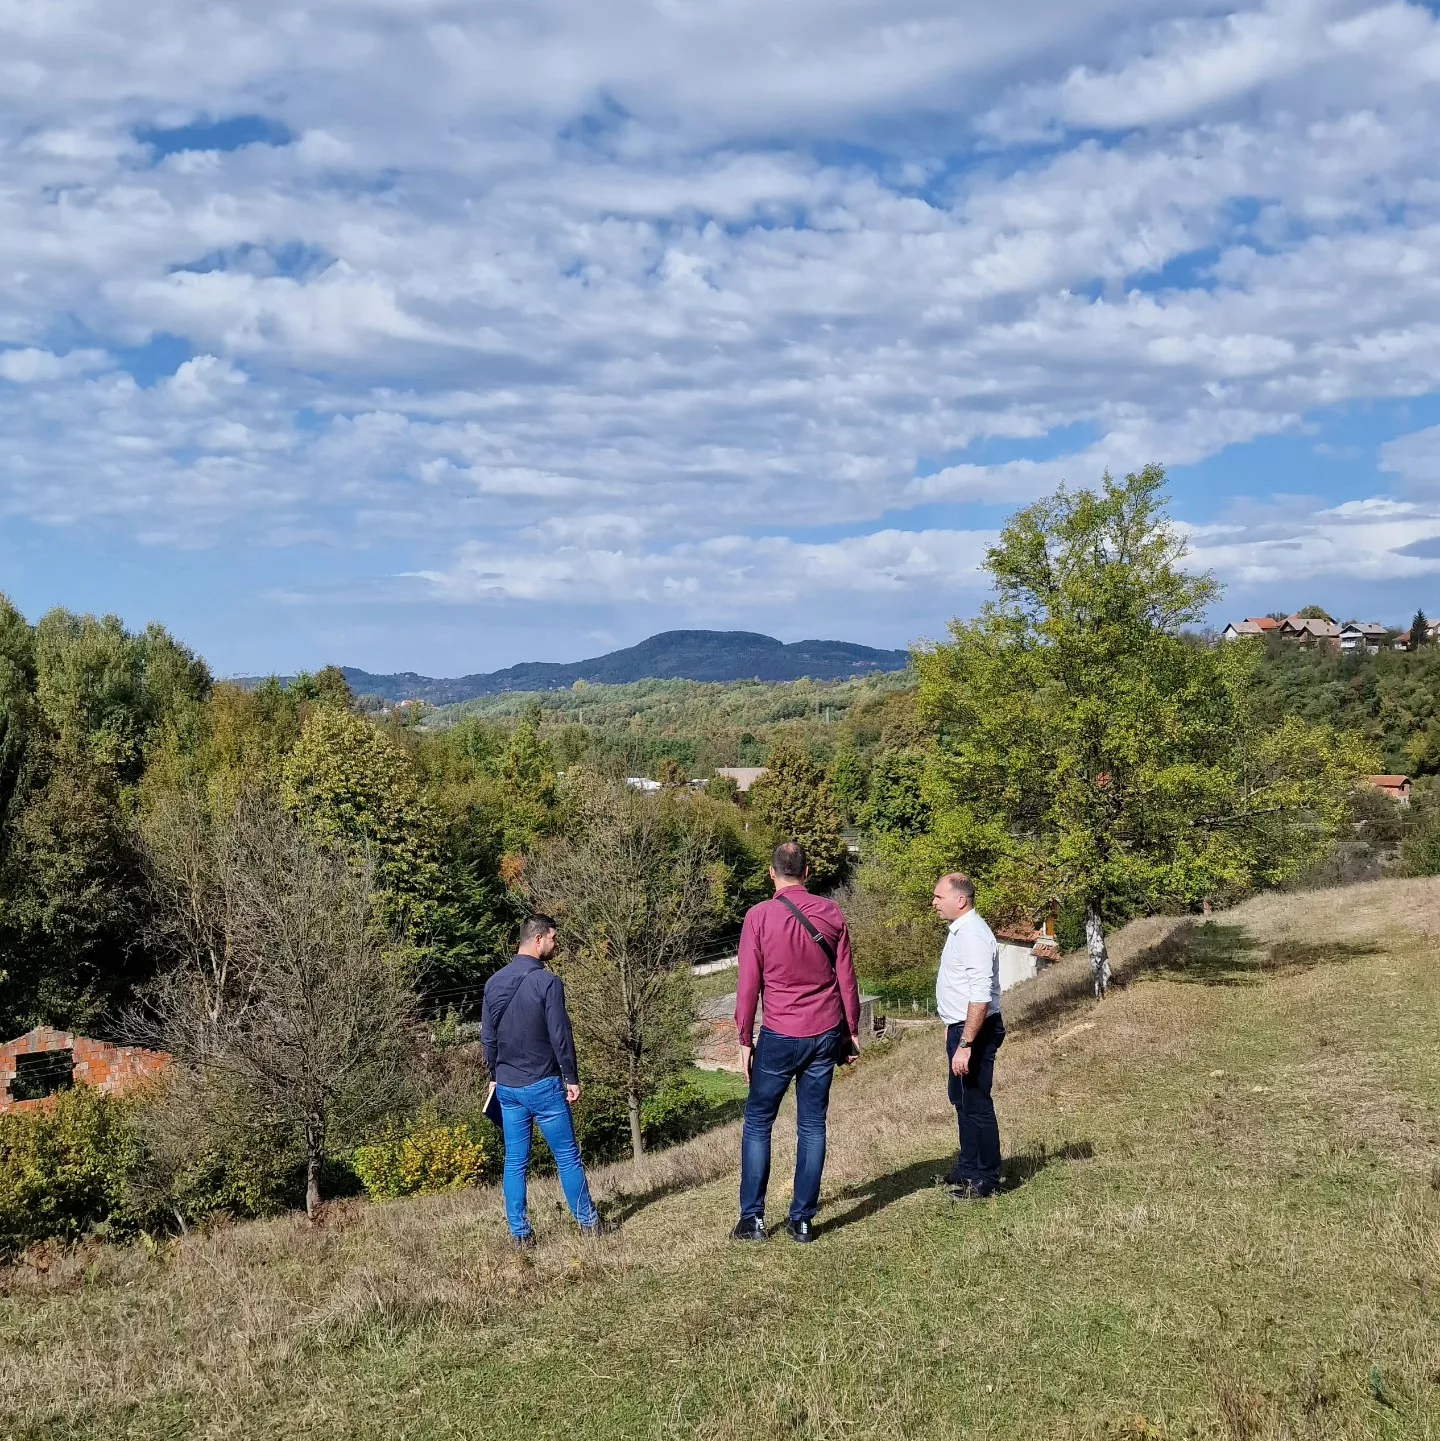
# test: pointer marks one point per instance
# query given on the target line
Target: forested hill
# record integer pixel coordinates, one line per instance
(699, 655)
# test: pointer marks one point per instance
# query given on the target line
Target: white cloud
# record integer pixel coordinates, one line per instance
(628, 285)
(1415, 458)
(30, 366)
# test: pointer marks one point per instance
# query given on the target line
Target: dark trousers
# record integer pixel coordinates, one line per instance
(979, 1163)
(809, 1061)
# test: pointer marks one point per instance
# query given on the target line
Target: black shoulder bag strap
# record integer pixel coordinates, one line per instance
(814, 930)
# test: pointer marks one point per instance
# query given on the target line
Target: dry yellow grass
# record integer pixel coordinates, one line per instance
(1257, 1226)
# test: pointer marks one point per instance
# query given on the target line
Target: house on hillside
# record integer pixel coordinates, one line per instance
(1026, 948)
(643, 783)
(1396, 787)
(1307, 631)
(1255, 625)
(1358, 635)
(743, 776)
(43, 1061)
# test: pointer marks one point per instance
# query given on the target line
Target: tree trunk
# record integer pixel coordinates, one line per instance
(314, 1155)
(1099, 956)
(637, 1136)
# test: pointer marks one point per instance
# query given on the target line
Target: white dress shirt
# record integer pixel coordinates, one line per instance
(969, 970)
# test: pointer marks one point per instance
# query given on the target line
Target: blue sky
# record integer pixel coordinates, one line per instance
(439, 336)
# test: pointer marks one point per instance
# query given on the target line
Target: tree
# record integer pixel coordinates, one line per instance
(1419, 631)
(17, 716)
(1313, 612)
(848, 782)
(358, 793)
(635, 885)
(792, 800)
(897, 804)
(1091, 754)
(309, 1028)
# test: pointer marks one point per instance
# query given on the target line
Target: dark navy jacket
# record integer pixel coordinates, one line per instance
(534, 1039)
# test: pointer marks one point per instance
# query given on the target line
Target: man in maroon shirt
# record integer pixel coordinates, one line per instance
(796, 950)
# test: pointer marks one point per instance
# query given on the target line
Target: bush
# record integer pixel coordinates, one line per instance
(676, 1110)
(1420, 852)
(64, 1167)
(424, 1157)
(199, 1156)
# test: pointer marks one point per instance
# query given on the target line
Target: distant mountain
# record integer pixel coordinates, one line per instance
(702, 655)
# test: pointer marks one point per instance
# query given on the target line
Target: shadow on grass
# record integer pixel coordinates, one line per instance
(868, 1197)
(1212, 954)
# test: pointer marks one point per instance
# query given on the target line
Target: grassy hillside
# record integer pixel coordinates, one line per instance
(1223, 1221)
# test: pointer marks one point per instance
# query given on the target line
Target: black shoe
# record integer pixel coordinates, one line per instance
(800, 1231)
(952, 1177)
(752, 1229)
(523, 1243)
(971, 1191)
(599, 1227)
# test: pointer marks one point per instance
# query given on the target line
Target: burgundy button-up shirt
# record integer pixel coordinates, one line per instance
(804, 994)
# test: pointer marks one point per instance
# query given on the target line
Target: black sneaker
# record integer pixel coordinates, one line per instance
(971, 1191)
(751, 1229)
(523, 1243)
(800, 1231)
(599, 1227)
(952, 1177)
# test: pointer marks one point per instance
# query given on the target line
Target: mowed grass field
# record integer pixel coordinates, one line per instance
(1223, 1221)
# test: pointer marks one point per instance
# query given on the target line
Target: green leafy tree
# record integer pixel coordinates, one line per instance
(1313, 612)
(358, 792)
(848, 782)
(792, 800)
(17, 716)
(897, 804)
(1091, 754)
(527, 773)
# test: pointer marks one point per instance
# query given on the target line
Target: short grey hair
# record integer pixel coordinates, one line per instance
(962, 885)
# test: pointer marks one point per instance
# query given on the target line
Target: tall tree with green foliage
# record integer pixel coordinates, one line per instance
(358, 792)
(792, 801)
(848, 782)
(82, 701)
(896, 805)
(1091, 753)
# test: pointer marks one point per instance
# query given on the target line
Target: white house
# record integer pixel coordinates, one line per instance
(1025, 950)
(1358, 635)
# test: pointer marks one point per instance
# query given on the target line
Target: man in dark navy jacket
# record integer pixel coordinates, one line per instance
(530, 1054)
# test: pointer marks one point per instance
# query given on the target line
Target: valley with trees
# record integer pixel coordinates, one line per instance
(298, 898)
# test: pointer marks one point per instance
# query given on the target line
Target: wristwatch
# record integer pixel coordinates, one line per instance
(965, 1045)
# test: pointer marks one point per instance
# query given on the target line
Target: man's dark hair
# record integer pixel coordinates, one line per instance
(790, 861)
(536, 927)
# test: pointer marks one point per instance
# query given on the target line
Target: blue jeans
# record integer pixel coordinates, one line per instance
(545, 1105)
(979, 1162)
(809, 1061)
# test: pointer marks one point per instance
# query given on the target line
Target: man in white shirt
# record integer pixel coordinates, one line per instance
(967, 995)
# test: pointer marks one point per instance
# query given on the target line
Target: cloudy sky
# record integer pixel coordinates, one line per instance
(429, 335)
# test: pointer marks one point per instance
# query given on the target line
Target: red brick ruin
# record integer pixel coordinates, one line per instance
(39, 1063)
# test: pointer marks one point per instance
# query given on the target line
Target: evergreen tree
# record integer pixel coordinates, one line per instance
(792, 800)
(1419, 631)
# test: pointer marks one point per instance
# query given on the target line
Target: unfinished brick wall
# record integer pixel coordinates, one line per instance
(112, 1069)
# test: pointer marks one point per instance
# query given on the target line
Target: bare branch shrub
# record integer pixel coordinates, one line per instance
(286, 1011)
(634, 884)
